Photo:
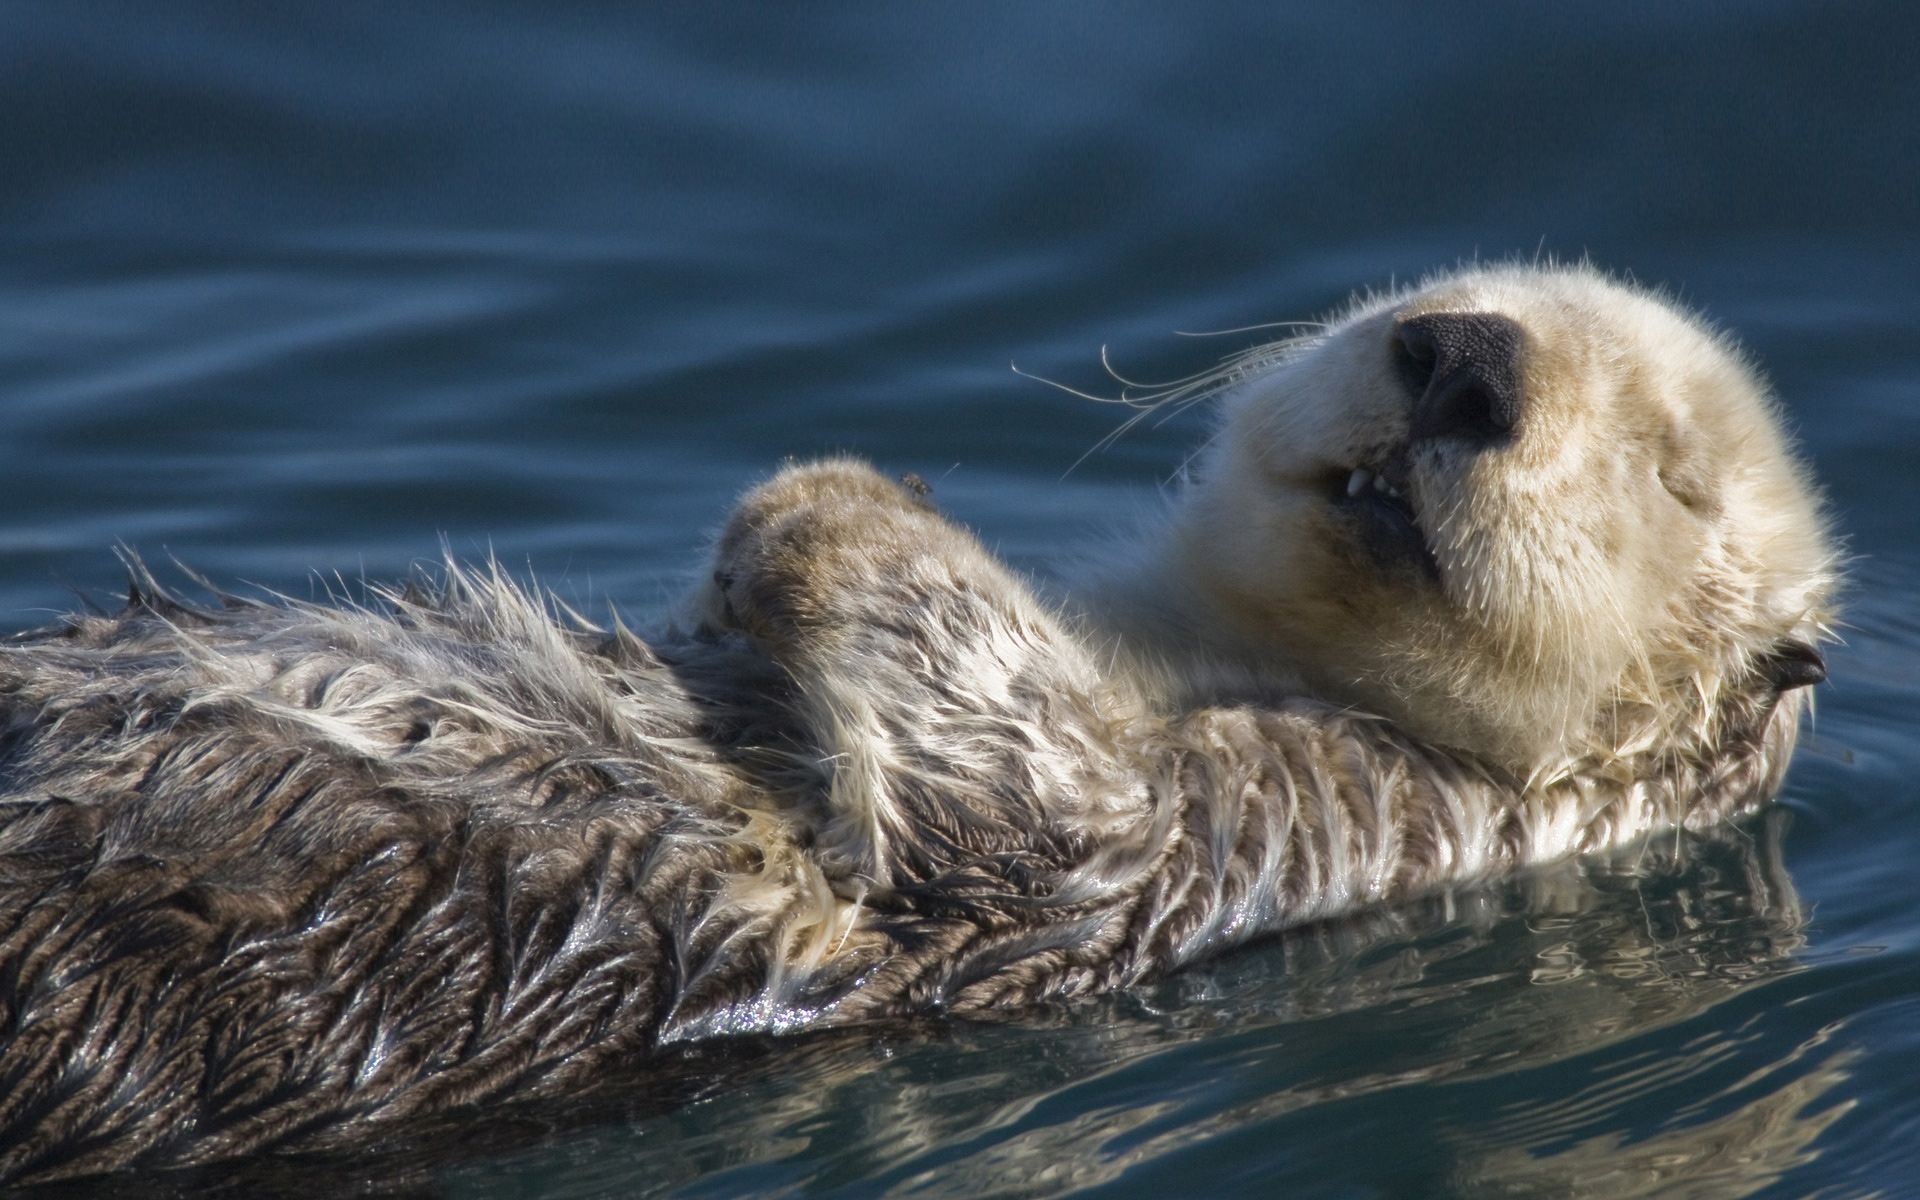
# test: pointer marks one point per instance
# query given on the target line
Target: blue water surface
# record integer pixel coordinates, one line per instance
(293, 292)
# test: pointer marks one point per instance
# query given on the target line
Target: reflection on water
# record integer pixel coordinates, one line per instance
(1738, 1152)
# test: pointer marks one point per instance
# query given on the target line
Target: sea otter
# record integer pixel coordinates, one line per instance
(1502, 568)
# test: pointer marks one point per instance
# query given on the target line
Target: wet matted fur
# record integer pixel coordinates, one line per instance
(272, 871)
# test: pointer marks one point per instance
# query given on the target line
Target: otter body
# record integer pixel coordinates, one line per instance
(270, 872)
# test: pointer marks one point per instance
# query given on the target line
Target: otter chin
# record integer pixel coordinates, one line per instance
(1513, 565)
(1534, 515)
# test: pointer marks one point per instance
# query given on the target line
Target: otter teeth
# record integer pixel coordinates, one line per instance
(1364, 478)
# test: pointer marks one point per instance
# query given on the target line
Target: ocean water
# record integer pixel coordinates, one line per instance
(297, 292)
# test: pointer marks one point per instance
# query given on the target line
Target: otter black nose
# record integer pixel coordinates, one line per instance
(1464, 372)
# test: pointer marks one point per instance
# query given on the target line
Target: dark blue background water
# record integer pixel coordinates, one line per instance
(291, 288)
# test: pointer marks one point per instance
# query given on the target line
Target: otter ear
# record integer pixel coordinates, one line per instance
(1793, 663)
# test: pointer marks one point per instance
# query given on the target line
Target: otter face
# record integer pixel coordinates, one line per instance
(1516, 510)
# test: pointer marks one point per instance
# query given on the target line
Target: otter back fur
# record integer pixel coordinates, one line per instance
(271, 872)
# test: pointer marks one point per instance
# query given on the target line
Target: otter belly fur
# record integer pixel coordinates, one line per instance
(1510, 566)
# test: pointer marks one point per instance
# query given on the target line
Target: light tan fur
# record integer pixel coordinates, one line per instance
(1602, 579)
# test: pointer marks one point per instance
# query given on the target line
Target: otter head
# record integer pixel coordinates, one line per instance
(1532, 514)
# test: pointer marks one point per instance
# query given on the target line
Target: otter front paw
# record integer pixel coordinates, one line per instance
(797, 543)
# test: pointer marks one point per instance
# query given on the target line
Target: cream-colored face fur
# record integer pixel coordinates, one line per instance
(1531, 513)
